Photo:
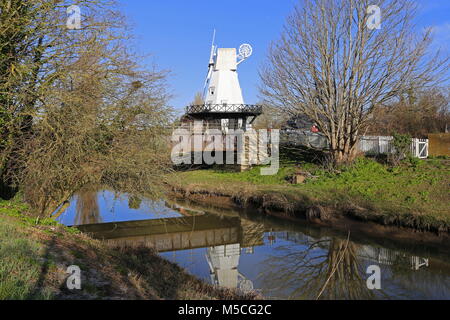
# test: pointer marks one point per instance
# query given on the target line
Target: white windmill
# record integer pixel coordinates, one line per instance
(222, 83)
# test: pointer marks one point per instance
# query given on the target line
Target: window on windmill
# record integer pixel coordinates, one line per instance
(224, 101)
(212, 90)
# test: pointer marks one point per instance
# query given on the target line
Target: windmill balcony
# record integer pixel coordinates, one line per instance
(224, 110)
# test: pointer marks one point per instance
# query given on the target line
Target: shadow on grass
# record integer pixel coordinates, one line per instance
(295, 155)
(36, 292)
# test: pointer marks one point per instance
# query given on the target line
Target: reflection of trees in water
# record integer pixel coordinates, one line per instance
(329, 266)
(343, 273)
(87, 210)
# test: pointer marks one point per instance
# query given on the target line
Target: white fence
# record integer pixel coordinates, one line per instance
(370, 145)
(419, 148)
(373, 145)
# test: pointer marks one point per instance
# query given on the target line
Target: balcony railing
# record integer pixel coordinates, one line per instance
(224, 108)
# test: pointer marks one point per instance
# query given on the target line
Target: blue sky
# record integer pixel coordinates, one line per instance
(177, 35)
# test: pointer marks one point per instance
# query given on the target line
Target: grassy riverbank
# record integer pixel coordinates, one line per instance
(35, 254)
(414, 194)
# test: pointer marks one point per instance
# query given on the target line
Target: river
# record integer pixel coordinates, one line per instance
(246, 250)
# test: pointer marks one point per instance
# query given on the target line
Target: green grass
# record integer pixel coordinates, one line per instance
(417, 188)
(20, 256)
(421, 187)
(252, 176)
(20, 265)
(18, 209)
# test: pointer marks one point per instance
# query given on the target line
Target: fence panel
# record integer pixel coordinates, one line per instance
(373, 145)
(439, 144)
(369, 145)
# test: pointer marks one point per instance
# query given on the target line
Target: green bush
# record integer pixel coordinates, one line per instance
(413, 161)
(402, 145)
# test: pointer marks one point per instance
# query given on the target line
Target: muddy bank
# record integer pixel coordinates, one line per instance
(344, 218)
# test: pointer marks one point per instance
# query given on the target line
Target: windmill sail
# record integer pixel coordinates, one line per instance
(210, 66)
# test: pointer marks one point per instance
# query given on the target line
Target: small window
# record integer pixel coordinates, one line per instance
(212, 90)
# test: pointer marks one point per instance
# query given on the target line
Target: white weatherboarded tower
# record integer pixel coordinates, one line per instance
(222, 81)
(223, 105)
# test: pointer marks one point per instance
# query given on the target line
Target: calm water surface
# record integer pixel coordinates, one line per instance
(279, 259)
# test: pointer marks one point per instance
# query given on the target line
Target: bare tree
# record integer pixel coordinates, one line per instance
(76, 107)
(35, 46)
(198, 99)
(271, 117)
(333, 67)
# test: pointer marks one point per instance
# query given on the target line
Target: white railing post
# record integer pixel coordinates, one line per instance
(414, 147)
(379, 144)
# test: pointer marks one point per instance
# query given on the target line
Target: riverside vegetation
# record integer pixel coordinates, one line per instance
(413, 194)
